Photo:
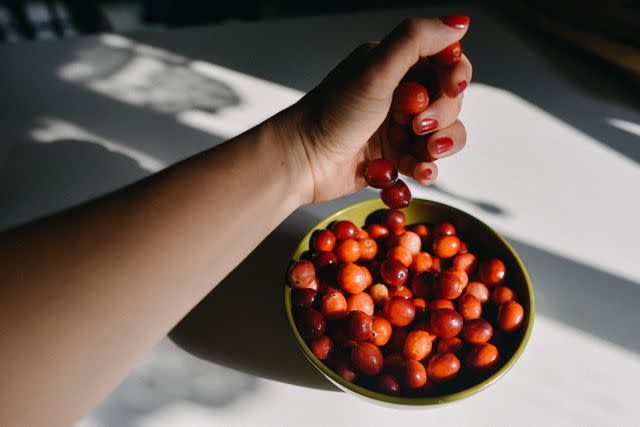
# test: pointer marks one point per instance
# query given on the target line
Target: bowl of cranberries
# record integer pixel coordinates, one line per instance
(417, 306)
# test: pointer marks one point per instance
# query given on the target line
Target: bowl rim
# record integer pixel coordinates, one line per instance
(401, 400)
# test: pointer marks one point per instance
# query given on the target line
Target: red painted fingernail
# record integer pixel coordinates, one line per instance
(459, 22)
(427, 174)
(426, 126)
(443, 144)
(462, 86)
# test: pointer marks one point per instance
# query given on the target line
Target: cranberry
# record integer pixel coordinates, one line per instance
(397, 195)
(415, 374)
(362, 302)
(399, 311)
(380, 331)
(388, 384)
(395, 220)
(477, 331)
(492, 272)
(482, 357)
(358, 326)
(333, 305)
(443, 367)
(417, 346)
(345, 230)
(410, 98)
(303, 298)
(367, 358)
(380, 173)
(322, 347)
(311, 323)
(301, 274)
(324, 240)
(394, 272)
(446, 323)
(510, 316)
(469, 307)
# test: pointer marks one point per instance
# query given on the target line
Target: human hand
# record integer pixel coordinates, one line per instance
(344, 121)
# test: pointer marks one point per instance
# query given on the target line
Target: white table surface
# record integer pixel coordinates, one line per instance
(551, 162)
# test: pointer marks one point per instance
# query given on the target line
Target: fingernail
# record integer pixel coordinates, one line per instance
(444, 144)
(459, 22)
(426, 126)
(427, 174)
(462, 86)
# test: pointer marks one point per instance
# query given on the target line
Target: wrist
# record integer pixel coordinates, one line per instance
(286, 135)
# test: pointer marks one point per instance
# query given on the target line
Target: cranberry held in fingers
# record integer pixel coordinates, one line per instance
(333, 305)
(502, 294)
(344, 230)
(492, 272)
(362, 302)
(388, 384)
(449, 55)
(301, 274)
(415, 374)
(311, 323)
(443, 367)
(482, 357)
(410, 98)
(358, 326)
(510, 316)
(394, 272)
(352, 278)
(446, 323)
(395, 220)
(397, 195)
(367, 358)
(303, 298)
(446, 246)
(322, 347)
(399, 311)
(380, 173)
(324, 240)
(469, 307)
(380, 331)
(477, 331)
(478, 290)
(417, 346)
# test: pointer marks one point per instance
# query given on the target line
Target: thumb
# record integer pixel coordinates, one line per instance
(412, 39)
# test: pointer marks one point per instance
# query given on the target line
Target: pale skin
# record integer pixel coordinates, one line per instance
(87, 292)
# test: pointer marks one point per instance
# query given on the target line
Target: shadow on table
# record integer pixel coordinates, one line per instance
(241, 323)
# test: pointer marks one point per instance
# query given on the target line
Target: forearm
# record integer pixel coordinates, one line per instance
(85, 293)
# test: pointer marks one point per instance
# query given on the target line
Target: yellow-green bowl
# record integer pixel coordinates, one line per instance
(486, 242)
